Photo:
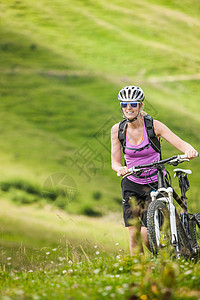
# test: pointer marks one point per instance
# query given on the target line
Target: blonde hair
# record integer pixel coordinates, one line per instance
(142, 112)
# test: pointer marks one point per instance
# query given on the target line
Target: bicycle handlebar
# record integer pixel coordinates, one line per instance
(174, 160)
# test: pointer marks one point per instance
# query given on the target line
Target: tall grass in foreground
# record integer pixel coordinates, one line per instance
(83, 272)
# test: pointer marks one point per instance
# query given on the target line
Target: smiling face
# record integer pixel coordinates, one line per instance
(130, 109)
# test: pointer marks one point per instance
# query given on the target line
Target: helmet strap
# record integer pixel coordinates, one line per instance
(134, 119)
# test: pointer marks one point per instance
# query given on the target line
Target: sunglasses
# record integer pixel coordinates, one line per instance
(132, 104)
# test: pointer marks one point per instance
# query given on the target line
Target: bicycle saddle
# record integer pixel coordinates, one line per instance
(178, 171)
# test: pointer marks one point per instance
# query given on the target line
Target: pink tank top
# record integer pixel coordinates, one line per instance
(141, 154)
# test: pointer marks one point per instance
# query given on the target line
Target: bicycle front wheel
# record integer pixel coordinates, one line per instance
(158, 226)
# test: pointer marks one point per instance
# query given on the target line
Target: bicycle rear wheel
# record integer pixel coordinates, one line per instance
(194, 229)
(186, 235)
(197, 217)
(158, 226)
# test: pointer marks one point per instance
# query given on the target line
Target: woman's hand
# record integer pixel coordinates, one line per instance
(123, 171)
(192, 153)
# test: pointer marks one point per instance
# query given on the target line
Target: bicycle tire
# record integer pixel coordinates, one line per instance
(186, 245)
(157, 217)
(194, 222)
(197, 216)
(197, 232)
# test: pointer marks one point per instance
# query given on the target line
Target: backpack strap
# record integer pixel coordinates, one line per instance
(122, 133)
(153, 140)
(148, 120)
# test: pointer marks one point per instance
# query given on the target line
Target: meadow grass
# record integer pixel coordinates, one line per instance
(47, 254)
(66, 273)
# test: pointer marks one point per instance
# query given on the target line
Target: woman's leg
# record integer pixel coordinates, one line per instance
(145, 237)
(135, 240)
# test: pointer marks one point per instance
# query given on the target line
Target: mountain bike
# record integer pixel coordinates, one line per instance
(164, 224)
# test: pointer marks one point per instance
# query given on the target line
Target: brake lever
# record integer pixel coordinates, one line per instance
(177, 161)
(174, 163)
(183, 159)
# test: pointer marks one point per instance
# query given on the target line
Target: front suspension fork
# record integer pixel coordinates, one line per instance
(173, 227)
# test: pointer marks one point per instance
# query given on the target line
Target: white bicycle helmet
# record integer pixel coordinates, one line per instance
(131, 93)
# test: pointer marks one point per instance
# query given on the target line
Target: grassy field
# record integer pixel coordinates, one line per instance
(83, 259)
(62, 64)
(61, 69)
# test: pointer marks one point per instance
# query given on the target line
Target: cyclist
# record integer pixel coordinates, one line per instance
(139, 150)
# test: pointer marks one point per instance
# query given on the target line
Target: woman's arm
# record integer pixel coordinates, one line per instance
(162, 130)
(116, 152)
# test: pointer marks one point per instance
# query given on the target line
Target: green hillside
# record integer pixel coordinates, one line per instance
(62, 65)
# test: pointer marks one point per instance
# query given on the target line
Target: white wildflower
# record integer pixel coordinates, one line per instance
(9, 258)
(116, 244)
(47, 253)
(96, 271)
(64, 271)
(116, 265)
(188, 272)
(108, 288)
(112, 295)
(70, 271)
(97, 252)
(61, 258)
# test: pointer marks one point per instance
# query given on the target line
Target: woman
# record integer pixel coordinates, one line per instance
(139, 150)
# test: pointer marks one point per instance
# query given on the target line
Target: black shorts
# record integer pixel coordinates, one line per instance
(136, 198)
